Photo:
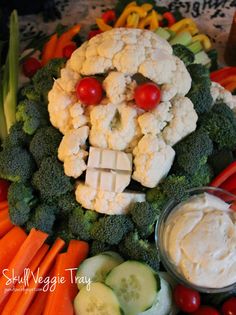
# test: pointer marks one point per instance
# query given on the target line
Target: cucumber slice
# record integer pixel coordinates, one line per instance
(163, 301)
(95, 269)
(114, 255)
(135, 285)
(100, 299)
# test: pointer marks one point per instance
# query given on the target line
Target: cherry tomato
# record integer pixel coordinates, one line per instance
(188, 300)
(31, 66)
(206, 310)
(89, 91)
(229, 306)
(93, 33)
(4, 185)
(147, 96)
(68, 50)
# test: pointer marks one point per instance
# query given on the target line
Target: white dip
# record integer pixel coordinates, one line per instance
(200, 239)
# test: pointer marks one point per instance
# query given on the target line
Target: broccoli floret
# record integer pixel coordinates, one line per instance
(44, 77)
(16, 164)
(193, 151)
(132, 247)
(199, 74)
(201, 177)
(65, 234)
(43, 218)
(16, 136)
(111, 229)
(186, 55)
(220, 124)
(50, 180)
(200, 95)
(156, 198)
(45, 143)
(144, 216)
(98, 247)
(33, 115)
(81, 222)
(21, 201)
(31, 93)
(67, 203)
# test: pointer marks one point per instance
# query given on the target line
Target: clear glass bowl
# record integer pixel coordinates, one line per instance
(159, 233)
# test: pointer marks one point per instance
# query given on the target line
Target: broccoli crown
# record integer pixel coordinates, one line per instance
(50, 180)
(193, 151)
(45, 143)
(44, 77)
(16, 136)
(43, 218)
(81, 222)
(33, 115)
(200, 95)
(202, 177)
(156, 198)
(98, 247)
(21, 199)
(16, 164)
(133, 247)
(186, 55)
(199, 74)
(67, 203)
(174, 187)
(220, 124)
(111, 229)
(31, 93)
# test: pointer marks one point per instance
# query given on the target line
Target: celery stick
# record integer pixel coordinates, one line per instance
(10, 100)
(202, 58)
(163, 33)
(195, 47)
(183, 38)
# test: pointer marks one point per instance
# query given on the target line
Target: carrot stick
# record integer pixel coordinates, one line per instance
(9, 246)
(19, 288)
(27, 296)
(5, 226)
(65, 39)
(38, 305)
(49, 49)
(3, 204)
(21, 261)
(66, 292)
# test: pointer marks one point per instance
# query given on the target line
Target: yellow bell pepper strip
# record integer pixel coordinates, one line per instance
(103, 26)
(127, 11)
(131, 4)
(147, 7)
(182, 24)
(65, 39)
(132, 20)
(49, 49)
(204, 40)
(151, 20)
(193, 30)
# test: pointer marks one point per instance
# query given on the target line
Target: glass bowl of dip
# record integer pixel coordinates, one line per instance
(196, 239)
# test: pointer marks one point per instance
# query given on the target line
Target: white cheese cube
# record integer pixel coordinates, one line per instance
(108, 159)
(92, 178)
(94, 157)
(122, 180)
(124, 161)
(107, 181)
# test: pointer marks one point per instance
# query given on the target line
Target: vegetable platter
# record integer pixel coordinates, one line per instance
(99, 132)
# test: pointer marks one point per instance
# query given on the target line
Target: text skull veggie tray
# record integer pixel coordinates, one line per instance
(100, 136)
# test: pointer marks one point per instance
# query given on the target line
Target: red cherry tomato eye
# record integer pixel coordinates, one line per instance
(229, 306)
(4, 185)
(31, 66)
(206, 310)
(89, 91)
(188, 300)
(68, 50)
(147, 96)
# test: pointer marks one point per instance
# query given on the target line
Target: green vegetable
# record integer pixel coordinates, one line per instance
(21, 200)
(16, 164)
(111, 229)
(16, 136)
(67, 203)
(31, 93)
(50, 180)
(220, 124)
(133, 247)
(199, 74)
(98, 247)
(213, 55)
(33, 115)
(195, 47)
(45, 143)
(193, 151)
(202, 177)
(186, 55)
(183, 38)
(43, 218)
(202, 58)
(164, 33)
(81, 222)
(219, 160)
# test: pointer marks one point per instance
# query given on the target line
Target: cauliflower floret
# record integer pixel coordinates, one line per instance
(110, 203)
(72, 142)
(152, 160)
(113, 127)
(154, 121)
(68, 80)
(78, 117)
(184, 120)
(219, 93)
(168, 91)
(181, 79)
(77, 58)
(74, 165)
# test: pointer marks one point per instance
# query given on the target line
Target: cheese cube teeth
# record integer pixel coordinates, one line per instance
(108, 170)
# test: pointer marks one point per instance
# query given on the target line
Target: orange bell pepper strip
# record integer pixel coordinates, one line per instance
(65, 39)
(49, 49)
